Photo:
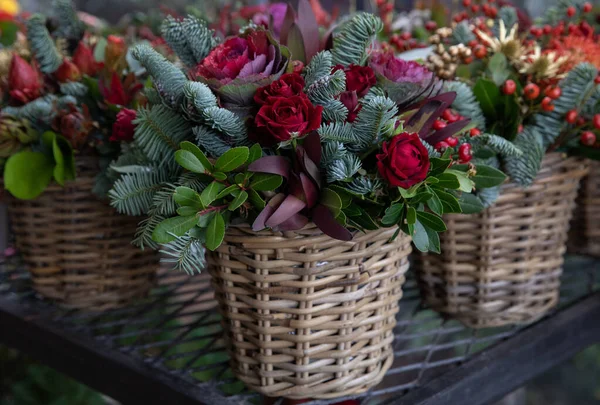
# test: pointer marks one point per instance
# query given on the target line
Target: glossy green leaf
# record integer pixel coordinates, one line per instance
(189, 161)
(434, 240)
(215, 232)
(227, 191)
(27, 174)
(488, 95)
(438, 166)
(411, 215)
(190, 147)
(465, 183)
(219, 176)
(169, 229)
(186, 211)
(232, 159)
(450, 203)
(470, 204)
(238, 201)
(488, 176)
(186, 197)
(432, 221)
(420, 237)
(331, 200)
(64, 160)
(393, 214)
(448, 180)
(210, 193)
(255, 153)
(256, 200)
(435, 204)
(411, 192)
(421, 198)
(266, 181)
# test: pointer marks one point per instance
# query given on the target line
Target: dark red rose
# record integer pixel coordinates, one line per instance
(123, 128)
(24, 82)
(83, 57)
(67, 72)
(350, 100)
(404, 160)
(358, 78)
(291, 84)
(284, 117)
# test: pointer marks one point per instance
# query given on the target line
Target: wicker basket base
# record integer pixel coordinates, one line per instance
(78, 249)
(503, 266)
(307, 316)
(584, 235)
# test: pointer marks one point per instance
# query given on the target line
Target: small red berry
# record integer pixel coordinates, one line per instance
(531, 91)
(547, 104)
(587, 7)
(439, 124)
(406, 35)
(441, 146)
(520, 128)
(572, 28)
(572, 116)
(475, 8)
(571, 11)
(597, 80)
(430, 25)
(509, 87)
(474, 132)
(492, 13)
(381, 2)
(588, 138)
(466, 3)
(547, 29)
(448, 115)
(486, 8)
(452, 141)
(553, 92)
(596, 121)
(480, 51)
(464, 153)
(468, 59)
(472, 43)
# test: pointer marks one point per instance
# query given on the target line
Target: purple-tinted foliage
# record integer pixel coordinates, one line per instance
(271, 164)
(289, 207)
(323, 218)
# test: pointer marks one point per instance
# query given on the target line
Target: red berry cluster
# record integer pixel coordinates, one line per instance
(449, 116)
(487, 8)
(405, 42)
(385, 9)
(531, 92)
(587, 127)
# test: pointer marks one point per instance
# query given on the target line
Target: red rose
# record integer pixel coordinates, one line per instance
(404, 161)
(123, 128)
(350, 101)
(83, 57)
(291, 84)
(24, 82)
(284, 117)
(358, 78)
(67, 72)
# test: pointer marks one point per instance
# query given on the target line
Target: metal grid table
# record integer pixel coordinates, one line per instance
(167, 348)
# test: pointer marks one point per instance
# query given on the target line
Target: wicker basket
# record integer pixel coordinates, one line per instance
(78, 249)
(307, 316)
(503, 266)
(584, 236)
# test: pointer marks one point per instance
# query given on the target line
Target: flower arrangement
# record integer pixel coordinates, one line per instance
(66, 94)
(277, 136)
(527, 91)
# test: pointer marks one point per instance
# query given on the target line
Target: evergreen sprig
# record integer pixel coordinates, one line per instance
(42, 46)
(356, 35)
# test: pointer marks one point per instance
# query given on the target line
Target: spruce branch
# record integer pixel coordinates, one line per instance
(41, 44)
(356, 35)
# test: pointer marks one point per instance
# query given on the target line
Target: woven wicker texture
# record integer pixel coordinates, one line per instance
(503, 266)
(78, 249)
(307, 316)
(584, 236)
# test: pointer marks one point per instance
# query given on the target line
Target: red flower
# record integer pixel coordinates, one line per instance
(23, 81)
(358, 78)
(123, 128)
(67, 72)
(350, 101)
(291, 84)
(120, 93)
(83, 57)
(404, 161)
(284, 117)
(74, 125)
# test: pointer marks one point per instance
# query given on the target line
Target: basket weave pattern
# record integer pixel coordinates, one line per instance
(503, 266)
(584, 236)
(307, 316)
(78, 249)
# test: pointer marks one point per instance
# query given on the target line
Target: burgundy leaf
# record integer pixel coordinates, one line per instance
(324, 219)
(312, 145)
(307, 22)
(288, 21)
(430, 111)
(288, 208)
(311, 192)
(296, 222)
(327, 42)
(449, 130)
(265, 214)
(308, 166)
(271, 164)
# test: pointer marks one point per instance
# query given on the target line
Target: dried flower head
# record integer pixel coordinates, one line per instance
(543, 65)
(509, 44)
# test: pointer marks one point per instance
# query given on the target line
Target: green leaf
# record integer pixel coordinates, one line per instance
(465, 183)
(431, 221)
(393, 214)
(256, 200)
(411, 216)
(186, 211)
(434, 240)
(8, 33)
(210, 193)
(435, 204)
(488, 95)
(450, 203)
(470, 204)
(498, 69)
(438, 166)
(238, 201)
(411, 192)
(27, 174)
(331, 200)
(421, 198)
(227, 191)
(361, 218)
(215, 232)
(190, 147)
(344, 194)
(169, 229)
(448, 180)
(420, 237)
(186, 197)
(203, 220)
(255, 153)
(488, 176)
(232, 159)
(219, 176)
(189, 161)
(266, 181)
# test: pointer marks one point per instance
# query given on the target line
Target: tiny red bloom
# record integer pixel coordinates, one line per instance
(404, 160)
(83, 57)
(123, 128)
(67, 72)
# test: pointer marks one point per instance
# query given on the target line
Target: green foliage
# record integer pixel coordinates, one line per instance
(465, 103)
(74, 89)
(558, 11)
(354, 39)
(190, 38)
(376, 120)
(462, 34)
(210, 141)
(183, 254)
(41, 44)
(501, 111)
(197, 98)
(324, 90)
(319, 67)
(68, 23)
(509, 16)
(133, 193)
(343, 169)
(488, 145)
(522, 170)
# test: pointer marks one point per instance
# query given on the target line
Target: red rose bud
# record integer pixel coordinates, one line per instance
(404, 160)
(358, 78)
(115, 50)
(288, 85)
(83, 57)
(281, 118)
(67, 72)
(24, 82)
(123, 128)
